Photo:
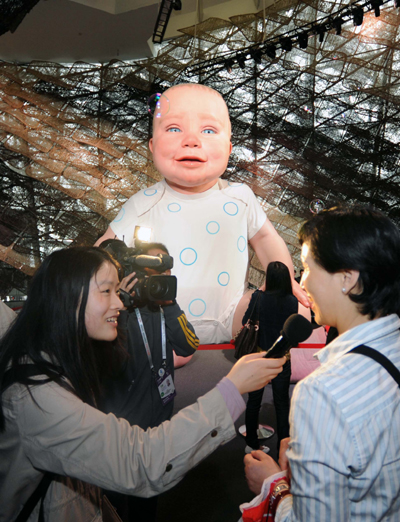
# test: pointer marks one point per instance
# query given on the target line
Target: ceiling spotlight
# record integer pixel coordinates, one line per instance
(286, 43)
(303, 40)
(337, 25)
(229, 64)
(270, 51)
(358, 16)
(320, 30)
(241, 59)
(256, 54)
(375, 6)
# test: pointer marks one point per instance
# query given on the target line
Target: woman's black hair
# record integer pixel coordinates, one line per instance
(278, 279)
(50, 330)
(362, 239)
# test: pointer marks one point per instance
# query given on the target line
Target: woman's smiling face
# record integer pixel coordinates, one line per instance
(103, 304)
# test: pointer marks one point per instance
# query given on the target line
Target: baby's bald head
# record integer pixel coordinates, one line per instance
(196, 93)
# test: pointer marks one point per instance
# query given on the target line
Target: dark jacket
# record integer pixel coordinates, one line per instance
(134, 394)
(273, 310)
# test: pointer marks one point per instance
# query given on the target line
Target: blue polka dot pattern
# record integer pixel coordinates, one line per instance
(120, 215)
(241, 244)
(174, 207)
(212, 227)
(231, 208)
(188, 256)
(150, 192)
(197, 307)
(223, 278)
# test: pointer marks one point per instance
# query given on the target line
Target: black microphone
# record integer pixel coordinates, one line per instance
(295, 330)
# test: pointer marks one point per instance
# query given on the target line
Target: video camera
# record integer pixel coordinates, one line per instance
(148, 288)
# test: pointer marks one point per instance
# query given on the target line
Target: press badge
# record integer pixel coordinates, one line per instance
(166, 387)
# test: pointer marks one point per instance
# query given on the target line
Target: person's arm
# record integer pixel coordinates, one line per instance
(283, 460)
(109, 234)
(320, 455)
(269, 246)
(180, 333)
(7, 316)
(250, 307)
(123, 226)
(68, 437)
(321, 452)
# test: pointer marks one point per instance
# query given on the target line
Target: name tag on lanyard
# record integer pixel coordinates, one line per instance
(164, 381)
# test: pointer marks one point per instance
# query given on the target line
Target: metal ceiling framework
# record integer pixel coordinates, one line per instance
(314, 124)
(164, 13)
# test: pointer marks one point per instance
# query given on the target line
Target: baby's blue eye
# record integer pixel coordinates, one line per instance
(208, 131)
(174, 129)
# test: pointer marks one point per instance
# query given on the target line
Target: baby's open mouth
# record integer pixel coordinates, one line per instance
(192, 159)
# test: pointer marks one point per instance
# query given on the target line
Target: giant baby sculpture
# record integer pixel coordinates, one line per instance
(206, 222)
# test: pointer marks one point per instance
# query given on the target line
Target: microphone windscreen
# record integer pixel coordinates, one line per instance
(297, 329)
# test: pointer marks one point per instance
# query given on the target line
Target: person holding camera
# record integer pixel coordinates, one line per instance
(143, 393)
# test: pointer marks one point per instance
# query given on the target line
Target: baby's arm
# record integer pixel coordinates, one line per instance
(269, 246)
(109, 234)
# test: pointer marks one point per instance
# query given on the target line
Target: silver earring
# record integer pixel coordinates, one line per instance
(344, 290)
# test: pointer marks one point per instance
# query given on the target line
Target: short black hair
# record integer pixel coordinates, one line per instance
(363, 239)
(145, 247)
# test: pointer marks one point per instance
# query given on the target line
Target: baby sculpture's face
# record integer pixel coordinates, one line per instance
(191, 142)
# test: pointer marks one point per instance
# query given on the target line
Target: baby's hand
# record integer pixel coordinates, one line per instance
(300, 294)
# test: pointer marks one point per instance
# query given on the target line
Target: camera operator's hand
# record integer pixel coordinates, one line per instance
(128, 282)
(164, 303)
(251, 373)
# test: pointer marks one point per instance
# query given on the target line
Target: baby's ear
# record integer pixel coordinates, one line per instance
(151, 145)
(230, 147)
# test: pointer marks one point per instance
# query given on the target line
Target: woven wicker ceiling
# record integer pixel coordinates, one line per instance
(320, 123)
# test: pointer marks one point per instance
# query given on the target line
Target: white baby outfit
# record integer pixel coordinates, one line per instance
(207, 236)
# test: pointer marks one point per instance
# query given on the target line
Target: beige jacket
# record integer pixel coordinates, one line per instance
(70, 438)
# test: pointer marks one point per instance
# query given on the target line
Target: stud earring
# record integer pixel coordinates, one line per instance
(344, 290)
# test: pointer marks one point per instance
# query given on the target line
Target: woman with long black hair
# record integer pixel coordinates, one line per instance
(272, 307)
(54, 442)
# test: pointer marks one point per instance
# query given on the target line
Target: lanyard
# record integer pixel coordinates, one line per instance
(146, 342)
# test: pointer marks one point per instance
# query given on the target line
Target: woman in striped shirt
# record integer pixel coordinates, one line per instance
(343, 453)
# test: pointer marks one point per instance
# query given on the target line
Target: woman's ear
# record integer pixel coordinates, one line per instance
(350, 281)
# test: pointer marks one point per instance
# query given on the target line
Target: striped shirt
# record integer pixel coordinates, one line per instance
(345, 433)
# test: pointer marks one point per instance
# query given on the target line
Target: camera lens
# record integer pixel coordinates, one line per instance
(158, 288)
